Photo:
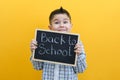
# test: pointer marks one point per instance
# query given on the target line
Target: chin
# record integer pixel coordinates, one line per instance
(64, 31)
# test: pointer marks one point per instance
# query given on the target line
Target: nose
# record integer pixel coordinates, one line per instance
(61, 24)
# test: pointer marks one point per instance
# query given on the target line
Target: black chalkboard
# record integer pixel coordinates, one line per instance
(55, 47)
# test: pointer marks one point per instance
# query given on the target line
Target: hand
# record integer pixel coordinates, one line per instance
(33, 45)
(78, 48)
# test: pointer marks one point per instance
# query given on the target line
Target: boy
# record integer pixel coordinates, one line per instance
(60, 20)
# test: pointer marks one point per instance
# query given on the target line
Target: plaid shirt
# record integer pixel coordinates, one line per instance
(65, 72)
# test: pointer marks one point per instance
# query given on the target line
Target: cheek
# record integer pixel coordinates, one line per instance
(69, 27)
(54, 27)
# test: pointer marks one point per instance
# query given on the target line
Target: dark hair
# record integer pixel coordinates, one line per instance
(58, 11)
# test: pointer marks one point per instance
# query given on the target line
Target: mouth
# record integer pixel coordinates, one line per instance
(62, 30)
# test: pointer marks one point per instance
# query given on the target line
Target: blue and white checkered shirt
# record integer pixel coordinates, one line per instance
(65, 72)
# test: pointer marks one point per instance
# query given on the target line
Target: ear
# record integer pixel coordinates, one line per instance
(49, 27)
(71, 25)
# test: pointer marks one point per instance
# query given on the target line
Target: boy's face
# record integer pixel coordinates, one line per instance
(60, 22)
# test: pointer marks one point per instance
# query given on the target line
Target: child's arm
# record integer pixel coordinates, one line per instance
(81, 59)
(36, 64)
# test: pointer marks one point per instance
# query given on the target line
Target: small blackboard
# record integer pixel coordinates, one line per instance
(55, 47)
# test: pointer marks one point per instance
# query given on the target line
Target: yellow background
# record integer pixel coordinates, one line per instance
(97, 22)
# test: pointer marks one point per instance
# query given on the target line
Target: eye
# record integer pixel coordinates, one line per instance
(56, 22)
(65, 22)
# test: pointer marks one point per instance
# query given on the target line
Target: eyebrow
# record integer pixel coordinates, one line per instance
(64, 19)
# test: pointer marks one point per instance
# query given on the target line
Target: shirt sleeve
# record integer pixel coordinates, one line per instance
(37, 65)
(81, 61)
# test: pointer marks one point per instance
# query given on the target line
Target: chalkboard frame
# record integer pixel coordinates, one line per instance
(55, 62)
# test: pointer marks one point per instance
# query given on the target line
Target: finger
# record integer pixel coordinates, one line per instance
(77, 46)
(33, 48)
(33, 42)
(33, 45)
(77, 51)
